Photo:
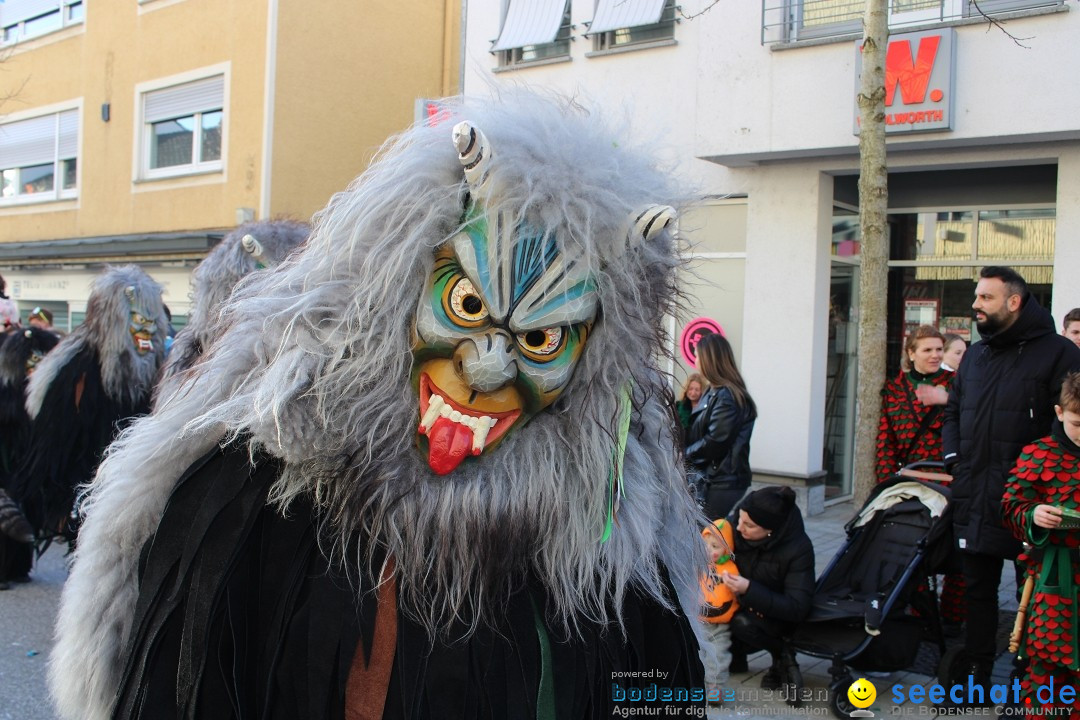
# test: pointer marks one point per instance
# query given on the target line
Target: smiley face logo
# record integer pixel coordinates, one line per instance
(862, 693)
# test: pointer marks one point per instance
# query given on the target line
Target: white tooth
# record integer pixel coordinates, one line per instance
(445, 411)
(455, 416)
(435, 403)
(479, 437)
(490, 421)
(470, 421)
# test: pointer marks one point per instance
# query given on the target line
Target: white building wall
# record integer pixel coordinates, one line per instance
(760, 101)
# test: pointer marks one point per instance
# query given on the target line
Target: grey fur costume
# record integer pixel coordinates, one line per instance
(91, 383)
(311, 381)
(250, 247)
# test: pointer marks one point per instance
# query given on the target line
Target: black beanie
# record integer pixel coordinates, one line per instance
(769, 507)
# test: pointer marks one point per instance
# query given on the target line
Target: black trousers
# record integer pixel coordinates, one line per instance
(982, 575)
(750, 632)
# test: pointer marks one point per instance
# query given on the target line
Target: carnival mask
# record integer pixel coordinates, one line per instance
(34, 357)
(141, 326)
(502, 321)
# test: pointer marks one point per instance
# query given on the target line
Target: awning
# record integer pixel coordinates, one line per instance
(131, 246)
(615, 14)
(530, 22)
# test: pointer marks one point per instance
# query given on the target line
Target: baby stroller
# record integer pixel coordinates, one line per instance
(875, 602)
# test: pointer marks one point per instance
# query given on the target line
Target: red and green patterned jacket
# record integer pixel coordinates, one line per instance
(1047, 473)
(901, 416)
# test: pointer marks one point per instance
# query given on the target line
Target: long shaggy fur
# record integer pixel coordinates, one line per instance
(314, 368)
(127, 376)
(215, 278)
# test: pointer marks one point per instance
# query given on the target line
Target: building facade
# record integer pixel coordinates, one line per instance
(143, 130)
(755, 104)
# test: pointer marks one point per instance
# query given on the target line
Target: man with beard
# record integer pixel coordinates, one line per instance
(1002, 398)
(80, 395)
(426, 470)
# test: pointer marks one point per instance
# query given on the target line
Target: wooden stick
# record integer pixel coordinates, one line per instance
(1021, 614)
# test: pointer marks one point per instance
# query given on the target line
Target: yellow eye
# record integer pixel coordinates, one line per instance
(138, 319)
(463, 304)
(542, 345)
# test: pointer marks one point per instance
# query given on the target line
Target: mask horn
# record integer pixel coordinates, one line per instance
(129, 291)
(649, 222)
(251, 245)
(474, 152)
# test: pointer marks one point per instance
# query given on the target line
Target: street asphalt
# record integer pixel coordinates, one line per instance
(27, 614)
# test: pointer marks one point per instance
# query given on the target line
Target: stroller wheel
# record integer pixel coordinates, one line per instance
(838, 700)
(950, 665)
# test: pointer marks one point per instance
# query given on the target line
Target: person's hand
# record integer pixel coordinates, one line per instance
(1047, 516)
(932, 395)
(735, 583)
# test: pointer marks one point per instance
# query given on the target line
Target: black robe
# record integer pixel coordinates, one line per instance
(76, 423)
(241, 615)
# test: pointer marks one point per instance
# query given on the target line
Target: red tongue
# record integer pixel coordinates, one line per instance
(448, 444)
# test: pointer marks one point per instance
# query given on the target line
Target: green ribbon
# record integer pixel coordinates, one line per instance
(1056, 578)
(545, 693)
(616, 488)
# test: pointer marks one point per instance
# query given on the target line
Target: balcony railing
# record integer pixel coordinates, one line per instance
(785, 21)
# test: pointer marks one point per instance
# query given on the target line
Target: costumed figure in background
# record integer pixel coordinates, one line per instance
(250, 247)
(429, 468)
(1044, 483)
(81, 393)
(21, 349)
(9, 310)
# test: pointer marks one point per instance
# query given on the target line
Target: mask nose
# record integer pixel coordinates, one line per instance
(487, 363)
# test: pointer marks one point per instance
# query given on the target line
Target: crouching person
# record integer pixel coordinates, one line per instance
(775, 585)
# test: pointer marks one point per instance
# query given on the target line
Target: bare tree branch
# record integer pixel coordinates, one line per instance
(699, 13)
(994, 22)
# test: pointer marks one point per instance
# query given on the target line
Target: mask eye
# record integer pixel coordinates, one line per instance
(542, 345)
(463, 304)
(137, 318)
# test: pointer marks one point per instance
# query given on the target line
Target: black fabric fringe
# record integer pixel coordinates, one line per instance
(241, 615)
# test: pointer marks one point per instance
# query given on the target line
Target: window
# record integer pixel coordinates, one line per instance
(38, 158)
(790, 20)
(618, 23)
(182, 128)
(534, 30)
(26, 19)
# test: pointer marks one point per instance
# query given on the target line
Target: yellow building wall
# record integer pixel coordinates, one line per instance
(120, 45)
(348, 76)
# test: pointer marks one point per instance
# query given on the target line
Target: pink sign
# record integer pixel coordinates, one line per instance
(692, 333)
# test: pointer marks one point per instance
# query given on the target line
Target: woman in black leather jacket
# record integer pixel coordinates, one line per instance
(718, 440)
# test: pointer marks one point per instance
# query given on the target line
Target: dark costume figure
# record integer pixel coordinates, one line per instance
(85, 390)
(427, 470)
(780, 567)
(250, 247)
(1048, 472)
(20, 352)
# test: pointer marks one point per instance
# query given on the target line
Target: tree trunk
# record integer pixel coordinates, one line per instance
(873, 271)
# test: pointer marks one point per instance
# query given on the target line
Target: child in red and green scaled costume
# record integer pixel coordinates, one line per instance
(1045, 480)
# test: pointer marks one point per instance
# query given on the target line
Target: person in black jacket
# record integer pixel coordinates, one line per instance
(718, 440)
(1002, 398)
(775, 584)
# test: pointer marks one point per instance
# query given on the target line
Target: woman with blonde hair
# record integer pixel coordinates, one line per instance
(718, 441)
(692, 390)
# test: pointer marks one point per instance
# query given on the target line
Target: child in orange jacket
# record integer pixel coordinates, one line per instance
(719, 605)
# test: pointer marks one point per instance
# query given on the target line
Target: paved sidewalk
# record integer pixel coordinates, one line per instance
(827, 532)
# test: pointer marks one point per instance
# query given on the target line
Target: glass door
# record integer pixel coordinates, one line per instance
(841, 377)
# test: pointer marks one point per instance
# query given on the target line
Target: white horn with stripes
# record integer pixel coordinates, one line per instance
(474, 152)
(649, 222)
(252, 246)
